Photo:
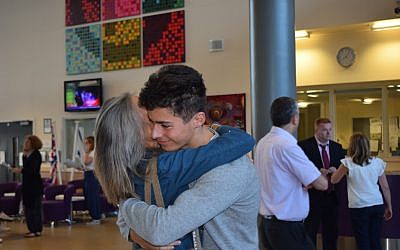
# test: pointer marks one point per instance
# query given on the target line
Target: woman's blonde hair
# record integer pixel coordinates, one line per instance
(359, 150)
(119, 146)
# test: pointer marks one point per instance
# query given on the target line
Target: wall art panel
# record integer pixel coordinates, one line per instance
(82, 45)
(81, 11)
(227, 110)
(158, 5)
(164, 38)
(121, 44)
(112, 9)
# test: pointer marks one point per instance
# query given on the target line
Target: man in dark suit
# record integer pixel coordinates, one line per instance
(326, 155)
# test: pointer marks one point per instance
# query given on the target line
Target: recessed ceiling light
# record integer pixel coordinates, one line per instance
(302, 104)
(314, 91)
(299, 34)
(386, 24)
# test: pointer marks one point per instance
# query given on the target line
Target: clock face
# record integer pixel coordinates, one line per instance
(346, 57)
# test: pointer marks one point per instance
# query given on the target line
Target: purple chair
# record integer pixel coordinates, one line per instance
(57, 209)
(78, 198)
(46, 182)
(10, 204)
(79, 204)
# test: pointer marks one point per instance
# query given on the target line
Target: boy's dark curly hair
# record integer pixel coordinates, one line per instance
(179, 88)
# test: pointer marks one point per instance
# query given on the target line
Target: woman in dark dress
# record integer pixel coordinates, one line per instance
(32, 186)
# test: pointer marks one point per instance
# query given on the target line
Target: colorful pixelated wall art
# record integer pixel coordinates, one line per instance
(227, 110)
(112, 9)
(81, 11)
(83, 54)
(158, 5)
(121, 44)
(164, 38)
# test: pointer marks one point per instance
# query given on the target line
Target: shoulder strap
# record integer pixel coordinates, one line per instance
(147, 185)
(151, 179)
(156, 183)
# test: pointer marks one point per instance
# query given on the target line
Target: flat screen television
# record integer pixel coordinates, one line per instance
(83, 95)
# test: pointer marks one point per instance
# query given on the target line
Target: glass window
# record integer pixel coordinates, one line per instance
(359, 111)
(313, 104)
(393, 115)
(86, 126)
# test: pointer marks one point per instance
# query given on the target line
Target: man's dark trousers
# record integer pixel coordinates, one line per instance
(323, 204)
(324, 213)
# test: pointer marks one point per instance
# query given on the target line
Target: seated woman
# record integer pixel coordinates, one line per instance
(367, 208)
(122, 134)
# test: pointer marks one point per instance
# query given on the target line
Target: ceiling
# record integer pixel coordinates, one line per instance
(313, 14)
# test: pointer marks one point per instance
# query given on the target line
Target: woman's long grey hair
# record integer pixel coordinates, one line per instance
(119, 145)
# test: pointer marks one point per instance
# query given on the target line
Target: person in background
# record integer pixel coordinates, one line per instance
(3, 220)
(91, 185)
(324, 205)
(32, 186)
(286, 173)
(5, 217)
(367, 207)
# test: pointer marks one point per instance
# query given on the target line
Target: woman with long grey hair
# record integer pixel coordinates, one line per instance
(120, 145)
(124, 146)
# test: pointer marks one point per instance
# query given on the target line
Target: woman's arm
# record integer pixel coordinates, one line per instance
(37, 163)
(209, 197)
(148, 246)
(338, 174)
(189, 164)
(386, 195)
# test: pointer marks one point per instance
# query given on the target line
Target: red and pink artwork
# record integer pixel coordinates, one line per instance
(227, 110)
(113, 9)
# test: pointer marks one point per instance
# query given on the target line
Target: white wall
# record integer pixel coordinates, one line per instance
(32, 57)
(311, 14)
(377, 57)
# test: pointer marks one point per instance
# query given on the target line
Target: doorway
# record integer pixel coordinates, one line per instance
(87, 127)
(11, 145)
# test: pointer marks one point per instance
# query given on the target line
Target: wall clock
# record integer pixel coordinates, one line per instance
(346, 57)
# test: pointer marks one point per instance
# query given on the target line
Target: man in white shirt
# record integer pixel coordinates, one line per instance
(285, 173)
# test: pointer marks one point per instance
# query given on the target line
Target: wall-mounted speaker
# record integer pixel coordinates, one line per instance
(215, 45)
